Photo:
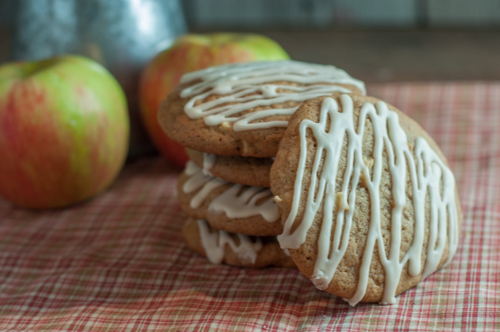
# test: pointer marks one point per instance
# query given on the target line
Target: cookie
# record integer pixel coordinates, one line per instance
(243, 170)
(369, 205)
(243, 109)
(228, 206)
(234, 249)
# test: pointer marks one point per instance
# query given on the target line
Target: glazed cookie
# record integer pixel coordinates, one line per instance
(243, 109)
(369, 205)
(234, 249)
(228, 206)
(243, 170)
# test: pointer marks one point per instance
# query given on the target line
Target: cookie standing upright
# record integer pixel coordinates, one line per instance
(369, 204)
(243, 109)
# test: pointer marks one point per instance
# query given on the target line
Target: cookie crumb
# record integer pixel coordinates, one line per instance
(341, 203)
(246, 150)
(225, 125)
(364, 177)
(277, 199)
(368, 162)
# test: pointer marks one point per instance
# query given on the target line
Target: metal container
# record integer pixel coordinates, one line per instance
(120, 34)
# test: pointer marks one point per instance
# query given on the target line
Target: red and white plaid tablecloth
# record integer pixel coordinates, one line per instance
(118, 262)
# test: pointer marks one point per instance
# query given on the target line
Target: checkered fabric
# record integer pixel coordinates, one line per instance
(118, 262)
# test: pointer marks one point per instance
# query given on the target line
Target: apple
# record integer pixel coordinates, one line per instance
(189, 53)
(64, 131)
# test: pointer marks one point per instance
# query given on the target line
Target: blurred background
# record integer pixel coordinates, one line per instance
(374, 40)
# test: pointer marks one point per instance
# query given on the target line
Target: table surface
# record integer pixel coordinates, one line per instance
(118, 262)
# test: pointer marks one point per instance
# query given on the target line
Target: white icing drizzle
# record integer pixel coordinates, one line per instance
(428, 174)
(248, 85)
(214, 244)
(236, 202)
(208, 162)
(199, 180)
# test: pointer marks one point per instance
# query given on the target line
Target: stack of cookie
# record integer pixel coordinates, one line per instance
(291, 164)
(244, 217)
(231, 120)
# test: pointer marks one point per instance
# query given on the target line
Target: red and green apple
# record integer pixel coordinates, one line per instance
(189, 53)
(63, 131)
